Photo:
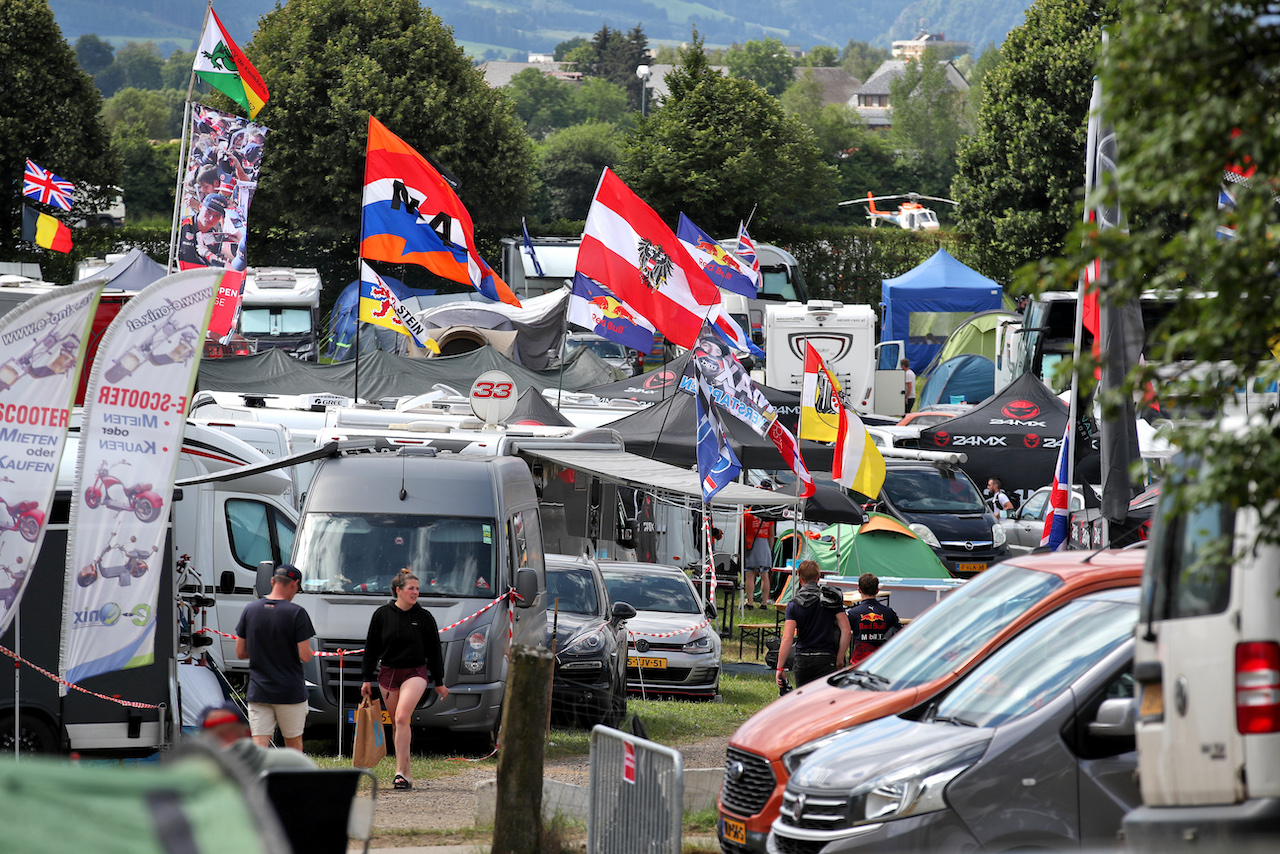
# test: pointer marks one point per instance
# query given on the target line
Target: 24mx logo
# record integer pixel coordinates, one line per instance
(987, 441)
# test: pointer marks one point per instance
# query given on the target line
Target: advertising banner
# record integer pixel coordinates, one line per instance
(42, 344)
(220, 180)
(130, 438)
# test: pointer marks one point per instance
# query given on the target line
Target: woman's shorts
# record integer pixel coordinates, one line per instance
(391, 678)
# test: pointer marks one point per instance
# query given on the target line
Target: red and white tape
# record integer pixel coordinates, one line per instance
(669, 634)
(130, 704)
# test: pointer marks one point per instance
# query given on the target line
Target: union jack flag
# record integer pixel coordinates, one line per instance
(747, 251)
(44, 186)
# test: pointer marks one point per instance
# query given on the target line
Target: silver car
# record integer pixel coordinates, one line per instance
(1033, 749)
(673, 646)
(1025, 527)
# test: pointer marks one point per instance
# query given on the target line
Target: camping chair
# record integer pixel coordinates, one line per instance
(319, 810)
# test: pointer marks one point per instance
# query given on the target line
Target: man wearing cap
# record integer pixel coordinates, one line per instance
(228, 728)
(275, 635)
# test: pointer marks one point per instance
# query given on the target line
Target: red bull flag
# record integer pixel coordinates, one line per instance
(379, 306)
(722, 268)
(411, 215)
(629, 249)
(592, 307)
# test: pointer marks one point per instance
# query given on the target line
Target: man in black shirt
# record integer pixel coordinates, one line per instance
(275, 635)
(871, 621)
(817, 625)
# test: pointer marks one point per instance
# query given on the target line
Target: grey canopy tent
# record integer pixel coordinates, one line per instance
(384, 374)
(133, 272)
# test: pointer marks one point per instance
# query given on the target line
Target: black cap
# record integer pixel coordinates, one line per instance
(288, 572)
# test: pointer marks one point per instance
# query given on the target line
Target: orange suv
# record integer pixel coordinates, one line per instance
(924, 659)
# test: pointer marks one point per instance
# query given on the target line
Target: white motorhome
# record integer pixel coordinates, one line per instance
(280, 309)
(845, 337)
(1207, 668)
(219, 531)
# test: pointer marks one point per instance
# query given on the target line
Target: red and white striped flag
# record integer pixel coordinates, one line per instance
(629, 249)
(790, 450)
(1058, 522)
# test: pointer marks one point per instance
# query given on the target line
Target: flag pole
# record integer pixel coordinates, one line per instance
(564, 340)
(183, 152)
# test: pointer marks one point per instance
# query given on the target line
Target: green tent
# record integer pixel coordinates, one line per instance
(191, 804)
(882, 545)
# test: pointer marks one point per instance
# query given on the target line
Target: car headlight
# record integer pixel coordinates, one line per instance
(997, 535)
(586, 644)
(701, 643)
(474, 650)
(922, 531)
(913, 790)
(792, 758)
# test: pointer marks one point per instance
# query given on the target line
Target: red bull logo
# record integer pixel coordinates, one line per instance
(871, 621)
(718, 253)
(610, 307)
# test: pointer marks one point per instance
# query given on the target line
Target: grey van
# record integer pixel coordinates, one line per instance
(468, 527)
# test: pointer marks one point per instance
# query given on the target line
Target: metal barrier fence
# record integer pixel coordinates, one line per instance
(637, 795)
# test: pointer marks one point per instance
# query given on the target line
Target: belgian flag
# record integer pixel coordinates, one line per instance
(45, 230)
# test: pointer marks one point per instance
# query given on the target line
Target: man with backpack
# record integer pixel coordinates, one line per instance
(816, 623)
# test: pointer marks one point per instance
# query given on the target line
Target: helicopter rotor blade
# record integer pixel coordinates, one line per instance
(869, 199)
(937, 199)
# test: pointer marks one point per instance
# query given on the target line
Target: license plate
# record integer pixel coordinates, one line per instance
(734, 831)
(970, 567)
(650, 663)
(1152, 701)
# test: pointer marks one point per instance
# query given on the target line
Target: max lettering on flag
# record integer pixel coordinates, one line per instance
(731, 387)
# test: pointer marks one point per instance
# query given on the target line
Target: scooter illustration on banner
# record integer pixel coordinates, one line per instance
(168, 345)
(25, 517)
(50, 355)
(133, 563)
(109, 491)
(10, 593)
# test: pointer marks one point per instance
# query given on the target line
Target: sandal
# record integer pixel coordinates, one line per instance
(401, 783)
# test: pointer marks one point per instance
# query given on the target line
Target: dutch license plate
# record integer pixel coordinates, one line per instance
(734, 831)
(1152, 701)
(970, 567)
(351, 716)
(651, 663)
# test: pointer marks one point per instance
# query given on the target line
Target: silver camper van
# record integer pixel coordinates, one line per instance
(468, 527)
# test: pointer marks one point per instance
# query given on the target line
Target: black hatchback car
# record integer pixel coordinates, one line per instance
(941, 506)
(588, 635)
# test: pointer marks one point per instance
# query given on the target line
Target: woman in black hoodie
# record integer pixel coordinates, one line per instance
(404, 640)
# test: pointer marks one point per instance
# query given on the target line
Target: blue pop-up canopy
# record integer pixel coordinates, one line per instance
(924, 305)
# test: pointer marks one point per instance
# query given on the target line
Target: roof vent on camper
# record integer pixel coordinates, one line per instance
(416, 451)
(274, 279)
(255, 401)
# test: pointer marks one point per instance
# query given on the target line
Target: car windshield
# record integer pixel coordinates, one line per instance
(1040, 663)
(947, 635)
(361, 552)
(649, 591)
(572, 591)
(602, 348)
(930, 490)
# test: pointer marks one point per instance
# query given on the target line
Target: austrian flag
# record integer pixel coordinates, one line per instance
(629, 249)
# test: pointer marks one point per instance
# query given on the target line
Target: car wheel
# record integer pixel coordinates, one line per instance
(617, 710)
(34, 736)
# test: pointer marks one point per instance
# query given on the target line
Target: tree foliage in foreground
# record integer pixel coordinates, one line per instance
(1021, 173)
(332, 63)
(1190, 86)
(719, 146)
(49, 112)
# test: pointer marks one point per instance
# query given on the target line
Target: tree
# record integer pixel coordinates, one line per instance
(823, 56)
(541, 101)
(1190, 88)
(767, 63)
(928, 122)
(94, 54)
(599, 100)
(562, 50)
(989, 59)
(1019, 175)
(141, 63)
(614, 56)
(150, 170)
(569, 165)
(719, 146)
(49, 112)
(330, 64)
(176, 73)
(861, 59)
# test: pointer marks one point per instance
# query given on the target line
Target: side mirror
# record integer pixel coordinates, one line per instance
(622, 612)
(1114, 719)
(227, 583)
(262, 584)
(711, 611)
(526, 587)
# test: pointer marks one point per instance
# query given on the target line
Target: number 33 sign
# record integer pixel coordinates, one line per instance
(493, 397)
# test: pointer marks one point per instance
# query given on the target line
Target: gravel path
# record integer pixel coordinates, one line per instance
(449, 803)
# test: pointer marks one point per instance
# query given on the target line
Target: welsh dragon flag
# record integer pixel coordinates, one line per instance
(221, 64)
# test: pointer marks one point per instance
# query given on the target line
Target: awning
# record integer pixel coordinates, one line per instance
(653, 476)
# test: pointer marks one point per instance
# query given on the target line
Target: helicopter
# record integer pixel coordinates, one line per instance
(911, 215)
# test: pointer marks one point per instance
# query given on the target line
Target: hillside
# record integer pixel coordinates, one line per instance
(538, 25)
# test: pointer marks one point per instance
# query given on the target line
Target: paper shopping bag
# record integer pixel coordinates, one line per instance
(371, 737)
